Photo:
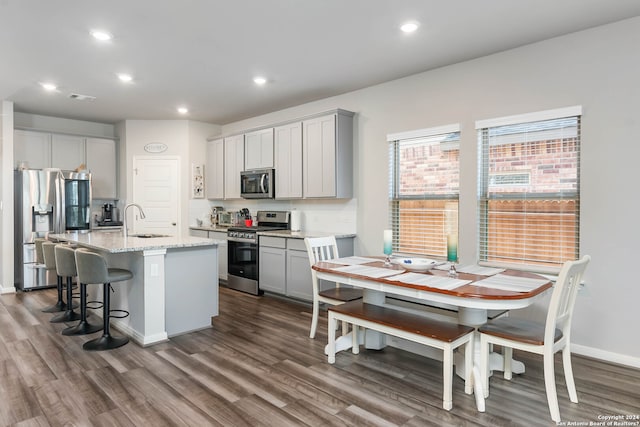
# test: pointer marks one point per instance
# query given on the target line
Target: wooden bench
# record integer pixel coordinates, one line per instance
(446, 336)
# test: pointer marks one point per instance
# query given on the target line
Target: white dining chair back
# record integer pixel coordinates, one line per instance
(546, 339)
(326, 249)
(321, 248)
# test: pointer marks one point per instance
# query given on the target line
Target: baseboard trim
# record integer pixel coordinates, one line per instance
(606, 356)
(7, 290)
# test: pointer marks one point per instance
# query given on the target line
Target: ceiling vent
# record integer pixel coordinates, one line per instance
(80, 97)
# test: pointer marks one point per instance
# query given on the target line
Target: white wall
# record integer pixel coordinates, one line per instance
(183, 138)
(597, 69)
(6, 199)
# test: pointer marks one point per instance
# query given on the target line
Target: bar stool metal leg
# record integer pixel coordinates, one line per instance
(106, 341)
(60, 305)
(69, 315)
(84, 327)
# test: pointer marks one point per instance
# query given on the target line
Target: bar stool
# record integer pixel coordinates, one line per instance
(83, 327)
(92, 268)
(66, 267)
(45, 248)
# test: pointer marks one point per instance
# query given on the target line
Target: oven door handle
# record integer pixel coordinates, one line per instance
(241, 240)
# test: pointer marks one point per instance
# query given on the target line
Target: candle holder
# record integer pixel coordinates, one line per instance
(452, 270)
(388, 246)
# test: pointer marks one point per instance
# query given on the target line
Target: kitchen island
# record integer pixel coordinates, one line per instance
(174, 289)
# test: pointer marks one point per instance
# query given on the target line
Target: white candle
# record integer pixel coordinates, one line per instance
(388, 241)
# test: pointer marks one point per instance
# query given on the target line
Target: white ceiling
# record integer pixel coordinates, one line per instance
(204, 53)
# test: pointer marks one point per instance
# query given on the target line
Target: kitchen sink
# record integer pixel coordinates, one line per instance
(148, 235)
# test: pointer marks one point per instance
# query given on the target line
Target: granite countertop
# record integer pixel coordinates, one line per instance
(116, 242)
(302, 234)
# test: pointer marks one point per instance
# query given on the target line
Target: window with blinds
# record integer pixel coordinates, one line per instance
(529, 189)
(423, 189)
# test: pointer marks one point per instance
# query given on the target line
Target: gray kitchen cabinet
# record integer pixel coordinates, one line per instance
(67, 151)
(102, 162)
(223, 254)
(299, 283)
(214, 170)
(199, 233)
(284, 266)
(327, 155)
(258, 149)
(46, 150)
(288, 161)
(33, 148)
(272, 264)
(233, 165)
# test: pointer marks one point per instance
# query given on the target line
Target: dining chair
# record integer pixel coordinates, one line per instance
(541, 338)
(324, 249)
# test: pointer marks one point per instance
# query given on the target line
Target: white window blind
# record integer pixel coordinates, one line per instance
(529, 190)
(423, 189)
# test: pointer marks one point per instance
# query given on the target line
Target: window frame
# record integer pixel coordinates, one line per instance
(394, 140)
(483, 197)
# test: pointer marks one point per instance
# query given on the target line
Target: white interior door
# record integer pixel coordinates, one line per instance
(155, 187)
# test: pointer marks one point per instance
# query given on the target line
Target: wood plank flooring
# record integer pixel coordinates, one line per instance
(257, 367)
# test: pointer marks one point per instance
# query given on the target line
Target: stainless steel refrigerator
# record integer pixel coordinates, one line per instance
(46, 201)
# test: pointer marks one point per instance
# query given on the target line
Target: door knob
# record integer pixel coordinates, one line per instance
(173, 223)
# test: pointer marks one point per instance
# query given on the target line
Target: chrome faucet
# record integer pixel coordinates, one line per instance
(124, 223)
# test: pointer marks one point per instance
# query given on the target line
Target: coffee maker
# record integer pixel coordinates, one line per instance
(110, 215)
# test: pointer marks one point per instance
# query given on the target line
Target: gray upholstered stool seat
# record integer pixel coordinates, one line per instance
(92, 268)
(45, 249)
(66, 267)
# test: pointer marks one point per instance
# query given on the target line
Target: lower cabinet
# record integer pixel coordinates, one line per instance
(199, 233)
(272, 268)
(284, 266)
(223, 255)
(299, 283)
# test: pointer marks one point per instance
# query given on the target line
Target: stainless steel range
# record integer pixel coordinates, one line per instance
(243, 250)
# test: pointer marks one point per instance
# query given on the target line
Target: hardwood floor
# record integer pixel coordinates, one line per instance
(257, 367)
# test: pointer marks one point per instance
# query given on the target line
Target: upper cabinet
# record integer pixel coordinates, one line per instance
(101, 161)
(67, 152)
(32, 148)
(312, 158)
(327, 155)
(258, 149)
(233, 165)
(214, 172)
(288, 161)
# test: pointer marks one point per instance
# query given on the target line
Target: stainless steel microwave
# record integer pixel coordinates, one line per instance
(257, 184)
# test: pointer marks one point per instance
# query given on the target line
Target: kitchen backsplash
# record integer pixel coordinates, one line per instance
(333, 216)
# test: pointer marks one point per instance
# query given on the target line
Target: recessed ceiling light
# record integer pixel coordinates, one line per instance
(101, 35)
(125, 77)
(183, 110)
(409, 27)
(259, 80)
(49, 86)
